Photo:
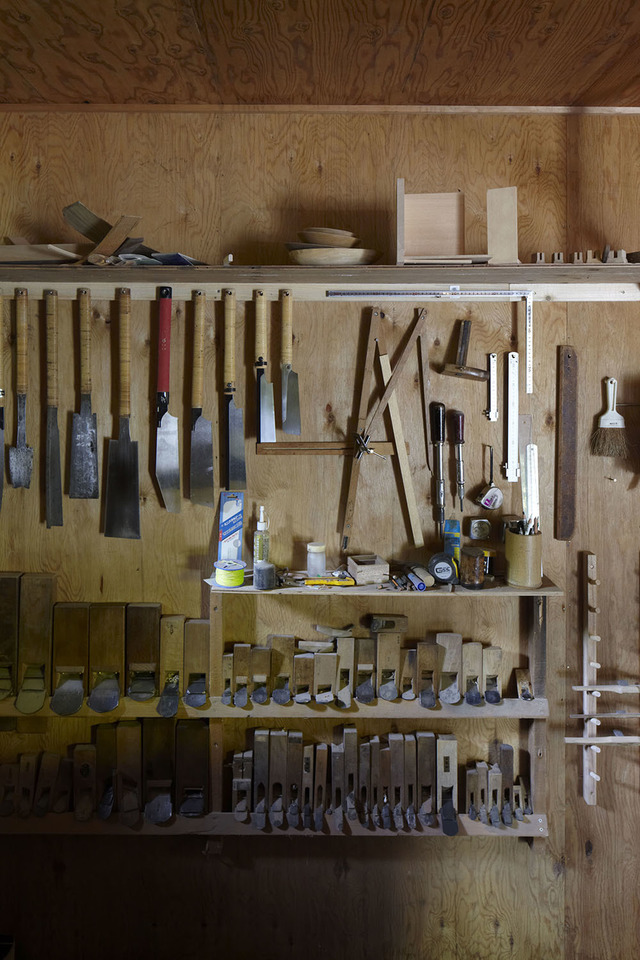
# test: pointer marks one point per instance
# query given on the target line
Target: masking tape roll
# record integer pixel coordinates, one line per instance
(229, 573)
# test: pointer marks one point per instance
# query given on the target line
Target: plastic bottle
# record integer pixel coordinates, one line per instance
(261, 539)
(316, 559)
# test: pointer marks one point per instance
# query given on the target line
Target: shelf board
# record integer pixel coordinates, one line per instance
(511, 709)
(490, 591)
(225, 824)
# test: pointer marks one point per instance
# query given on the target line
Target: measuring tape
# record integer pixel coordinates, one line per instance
(455, 293)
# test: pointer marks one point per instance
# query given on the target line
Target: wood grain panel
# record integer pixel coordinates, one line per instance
(348, 51)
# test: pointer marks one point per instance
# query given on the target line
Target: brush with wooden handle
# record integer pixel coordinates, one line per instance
(610, 437)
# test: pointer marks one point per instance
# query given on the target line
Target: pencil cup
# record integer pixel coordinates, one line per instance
(523, 555)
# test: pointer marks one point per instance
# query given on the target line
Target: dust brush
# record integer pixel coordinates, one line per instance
(609, 439)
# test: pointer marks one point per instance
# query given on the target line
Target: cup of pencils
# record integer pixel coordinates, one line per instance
(523, 554)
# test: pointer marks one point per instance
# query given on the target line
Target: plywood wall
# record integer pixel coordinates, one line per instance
(210, 184)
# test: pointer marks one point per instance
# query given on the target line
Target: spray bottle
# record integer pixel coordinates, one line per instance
(261, 539)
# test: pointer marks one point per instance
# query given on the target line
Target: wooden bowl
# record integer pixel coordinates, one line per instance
(328, 237)
(336, 256)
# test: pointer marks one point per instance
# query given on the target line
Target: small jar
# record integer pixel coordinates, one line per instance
(472, 568)
(316, 559)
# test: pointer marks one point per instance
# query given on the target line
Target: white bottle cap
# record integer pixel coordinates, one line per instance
(262, 523)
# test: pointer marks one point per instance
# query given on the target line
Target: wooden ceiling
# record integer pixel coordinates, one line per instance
(313, 52)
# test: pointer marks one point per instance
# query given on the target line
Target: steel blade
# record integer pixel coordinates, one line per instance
(53, 485)
(201, 463)
(21, 456)
(267, 410)
(291, 418)
(122, 510)
(105, 695)
(168, 462)
(285, 370)
(237, 471)
(83, 476)
(68, 695)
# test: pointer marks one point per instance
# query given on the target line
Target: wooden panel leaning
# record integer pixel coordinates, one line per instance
(37, 596)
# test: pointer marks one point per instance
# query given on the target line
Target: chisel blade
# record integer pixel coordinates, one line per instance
(53, 485)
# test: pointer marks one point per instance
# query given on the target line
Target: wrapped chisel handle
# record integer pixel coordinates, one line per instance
(124, 347)
(229, 297)
(197, 382)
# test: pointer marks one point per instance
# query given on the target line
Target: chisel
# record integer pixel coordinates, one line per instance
(167, 443)
(236, 468)
(266, 411)
(437, 416)
(201, 454)
(53, 485)
(21, 456)
(83, 475)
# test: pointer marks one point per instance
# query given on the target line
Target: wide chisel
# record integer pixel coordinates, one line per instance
(236, 467)
(53, 480)
(266, 410)
(290, 386)
(201, 454)
(83, 475)
(122, 500)
(21, 456)
(167, 443)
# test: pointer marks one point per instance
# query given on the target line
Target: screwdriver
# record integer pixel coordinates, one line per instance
(436, 420)
(457, 419)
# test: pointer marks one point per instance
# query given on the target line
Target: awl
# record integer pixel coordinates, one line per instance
(201, 453)
(236, 467)
(53, 479)
(266, 410)
(289, 379)
(83, 475)
(167, 443)
(122, 497)
(21, 456)
(457, 421)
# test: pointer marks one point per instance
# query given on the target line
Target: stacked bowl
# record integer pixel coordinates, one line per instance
(321, 246)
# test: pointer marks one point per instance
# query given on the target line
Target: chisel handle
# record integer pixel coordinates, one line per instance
(457, 422)
(124, 350)
(21, 341)
(197, 382)
(286, 354)
(436, 421)
(84, 312)
(261, 328)
(164, 338)
(229, 297)
(51, 313)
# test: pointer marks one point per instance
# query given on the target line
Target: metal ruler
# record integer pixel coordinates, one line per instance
(512, 464)
(492, 410)
(455, 293)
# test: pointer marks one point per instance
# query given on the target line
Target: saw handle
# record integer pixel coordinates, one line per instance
(21, 341)
(261, 328)
(229, 297)
(197, 382)
(124, 350)
(51, 313)
(436, 421)
(286, 354)
(84, 312)
(457, 421)
(164, 338)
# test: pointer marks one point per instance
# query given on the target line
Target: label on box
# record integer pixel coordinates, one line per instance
(230, 532)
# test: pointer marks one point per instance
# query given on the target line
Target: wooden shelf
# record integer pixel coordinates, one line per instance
(491, 591)
(510, 709)
(225, 824)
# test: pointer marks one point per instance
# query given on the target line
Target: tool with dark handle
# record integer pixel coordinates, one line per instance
(122, 500)
(167, 443)
(53, 479)
(201, 454)
(436, 418)
(460, 368)
(21, 456)
(290, 387)
(236, 468)
(266, 410)
(83, 475)
(457, 419)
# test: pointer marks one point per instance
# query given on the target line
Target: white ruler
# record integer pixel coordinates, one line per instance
(512, 464)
